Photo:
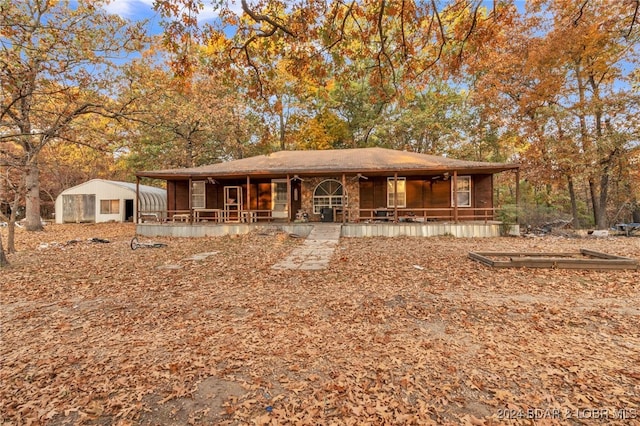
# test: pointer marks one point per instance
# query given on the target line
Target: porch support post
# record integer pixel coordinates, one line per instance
(190, 200)
(395, 197)
(288, 199)
(137, 199)
(248, 199)
(344, 190)
(455, 196)
(517, 193)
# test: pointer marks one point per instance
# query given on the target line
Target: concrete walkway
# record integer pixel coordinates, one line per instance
(316, 250)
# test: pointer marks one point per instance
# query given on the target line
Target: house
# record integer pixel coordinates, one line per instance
(364, 185)
(100, 200)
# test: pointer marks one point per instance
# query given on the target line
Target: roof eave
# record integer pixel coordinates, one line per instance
(475, 169)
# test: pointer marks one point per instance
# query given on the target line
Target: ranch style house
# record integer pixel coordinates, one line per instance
(362, 185)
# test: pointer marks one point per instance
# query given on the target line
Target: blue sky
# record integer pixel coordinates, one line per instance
(143, 9)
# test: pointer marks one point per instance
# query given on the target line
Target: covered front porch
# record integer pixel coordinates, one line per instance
(357, 199)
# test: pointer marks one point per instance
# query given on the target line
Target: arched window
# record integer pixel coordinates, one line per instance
(328, 193)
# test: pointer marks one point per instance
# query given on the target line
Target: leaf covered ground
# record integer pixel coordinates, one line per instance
(396, 331)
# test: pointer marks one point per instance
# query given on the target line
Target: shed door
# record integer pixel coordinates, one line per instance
(128, 210)
(77, 208)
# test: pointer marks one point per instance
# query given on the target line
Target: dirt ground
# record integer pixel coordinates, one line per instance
(396, 331)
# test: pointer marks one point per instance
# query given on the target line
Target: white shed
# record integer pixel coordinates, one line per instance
(100, 200)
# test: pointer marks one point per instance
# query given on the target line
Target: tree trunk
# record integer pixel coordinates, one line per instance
(601, 216)
(595, 202)
(11, 233)
(588, 148)
(635, 213)
(3, 257)
(282, 130)
(32, 197)
(574, 203)
(11, 236)
(189, 154)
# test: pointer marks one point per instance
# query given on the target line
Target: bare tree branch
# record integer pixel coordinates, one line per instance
(474, 22)
(383, 47)
(580, 13)
(342, 25)
(633, 19)
(264, 18)
(405, 50)
(255, 69)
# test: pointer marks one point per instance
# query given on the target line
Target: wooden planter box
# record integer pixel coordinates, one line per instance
(585, 259)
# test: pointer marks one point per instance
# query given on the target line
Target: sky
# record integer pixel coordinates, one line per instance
(137, 10)
(142, 9)
(132, 9)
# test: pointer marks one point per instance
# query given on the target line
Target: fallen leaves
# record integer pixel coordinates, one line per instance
(96, 333)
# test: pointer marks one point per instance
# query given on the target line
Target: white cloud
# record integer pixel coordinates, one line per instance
(131, 9)
(139, 9)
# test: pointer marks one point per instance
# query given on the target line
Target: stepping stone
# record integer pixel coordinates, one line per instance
(170, 267)
(315, 252)
(202, 256)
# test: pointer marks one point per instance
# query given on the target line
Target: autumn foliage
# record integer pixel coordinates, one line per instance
(395, 331)
(550, 84)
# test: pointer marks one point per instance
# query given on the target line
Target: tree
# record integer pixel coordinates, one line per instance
(12, 183)
(6, 208)
(180, 121)
(279, 99)
(432, 120)
(56, 65)
(401, 39)
(555, 79)
(325, 130)
(591, 44)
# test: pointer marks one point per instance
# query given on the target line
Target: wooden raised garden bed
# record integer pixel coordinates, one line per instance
(585, 259)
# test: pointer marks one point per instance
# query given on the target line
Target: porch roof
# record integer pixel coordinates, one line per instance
(374, 161)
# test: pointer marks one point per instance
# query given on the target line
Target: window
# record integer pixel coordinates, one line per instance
(464, 191)
(328, 193)
(109, 206)
(402, 192)
(198, 195)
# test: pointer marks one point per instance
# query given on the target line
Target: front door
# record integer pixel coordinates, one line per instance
(296, 198)
(279, 201)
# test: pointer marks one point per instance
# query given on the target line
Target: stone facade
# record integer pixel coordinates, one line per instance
(352, 191)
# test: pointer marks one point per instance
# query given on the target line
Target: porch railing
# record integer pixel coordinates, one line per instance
(363, 215)
(426, 214)
(204, 215)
